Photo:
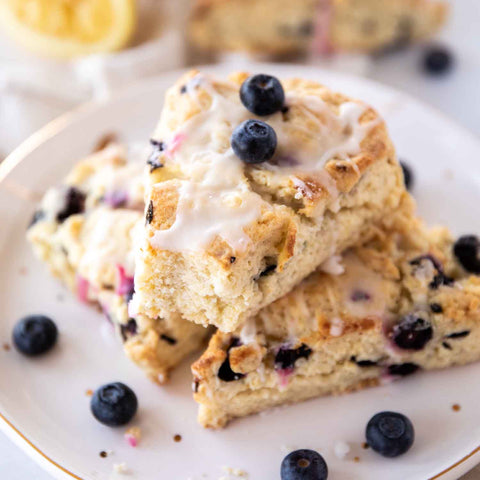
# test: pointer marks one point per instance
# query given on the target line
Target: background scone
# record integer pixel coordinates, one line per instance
(224, 238)
(397, 304)
(284, 26)
(84, 232)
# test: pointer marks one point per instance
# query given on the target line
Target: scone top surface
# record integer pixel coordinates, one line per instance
(211, 201)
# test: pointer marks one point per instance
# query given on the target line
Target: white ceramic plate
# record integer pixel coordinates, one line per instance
(43, 404)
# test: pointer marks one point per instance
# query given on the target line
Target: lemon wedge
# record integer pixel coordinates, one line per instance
(69, 28)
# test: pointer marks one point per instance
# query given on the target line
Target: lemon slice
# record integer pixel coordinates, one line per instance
(69, 28)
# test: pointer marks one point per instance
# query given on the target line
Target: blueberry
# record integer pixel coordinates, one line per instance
(262, 95)
(254, 141)
(286, 357)
(149, 214)
(407, 175)
(225, 371)
(403, 369)
(154, 158)
(412, 332)
(128, 329)
(74, 203)
(437, 60)
(304, 465)
(34, 335)
(390, 434)
(467, 251)
(114, 404)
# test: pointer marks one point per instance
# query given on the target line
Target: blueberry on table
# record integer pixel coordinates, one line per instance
(412, 332)
(34, 335)
(467, 251)
(390, 434)
(254, 141)
(304, 465)
(114, 404)
(407, 175)
(437, 60)
(262, 95)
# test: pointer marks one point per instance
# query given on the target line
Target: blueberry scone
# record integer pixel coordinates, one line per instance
(400, 303)
(282, 26)
(253, 183)
(84, 231)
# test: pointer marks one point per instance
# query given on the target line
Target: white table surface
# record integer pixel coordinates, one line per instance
(456, 94)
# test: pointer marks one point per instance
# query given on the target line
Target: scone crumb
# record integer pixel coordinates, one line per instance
(6, 347)
(456, 407)
(356, 459)
(233, 473)
(365, 445)
(133, 436)
(89, 392)
(341, 449)
(177, 438)
(120, 467)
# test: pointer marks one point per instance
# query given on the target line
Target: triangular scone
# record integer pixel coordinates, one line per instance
(84, 232)
(284, 26)
(224, 238)
(401, 304)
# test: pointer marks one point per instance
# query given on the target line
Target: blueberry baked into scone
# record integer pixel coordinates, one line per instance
(84, 231)
(397, 304)
(282, 27)
(253, 183)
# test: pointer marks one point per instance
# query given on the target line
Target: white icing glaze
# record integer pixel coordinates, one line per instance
(107, 242)
(248, 333)
(333, 265)
(336, 327)
(214, 195)
(53, 202)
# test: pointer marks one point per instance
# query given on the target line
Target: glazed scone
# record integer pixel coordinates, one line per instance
(224, 238)
(281, 26)
(84, 232)
(397, 304)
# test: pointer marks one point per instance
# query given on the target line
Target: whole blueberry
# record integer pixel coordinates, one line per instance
(407, 175)
(254, 141)
(412, 332)
(114, 404)
(437, 60)
(390, 434)
(262, 95)
(34, 335)
(303, 465)
(467, 251)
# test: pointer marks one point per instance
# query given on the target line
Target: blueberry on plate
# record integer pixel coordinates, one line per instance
(114, 404)
(262, 95)
(407, 175)
(437, 60)
(304, 465)
(412, 332)
(254, 141)
(390, 434)
(34, 335)
(467, 251)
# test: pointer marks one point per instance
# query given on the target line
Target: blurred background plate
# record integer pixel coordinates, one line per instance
(43, 402)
